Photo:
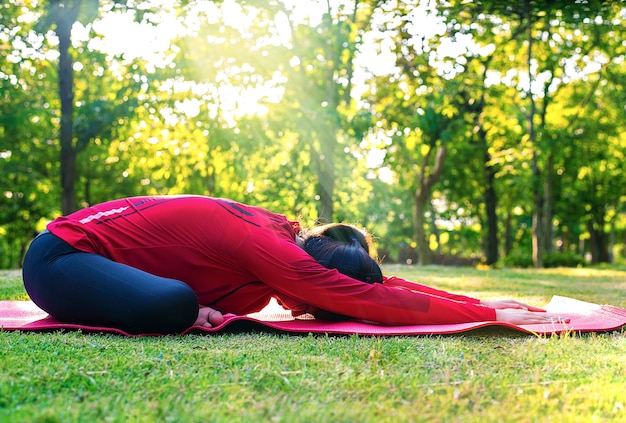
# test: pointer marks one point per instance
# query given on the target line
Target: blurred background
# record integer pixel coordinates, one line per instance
(464, 133)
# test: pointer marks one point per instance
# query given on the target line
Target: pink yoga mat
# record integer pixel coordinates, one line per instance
(584, 317)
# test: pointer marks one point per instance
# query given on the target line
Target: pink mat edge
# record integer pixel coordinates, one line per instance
(37, 320)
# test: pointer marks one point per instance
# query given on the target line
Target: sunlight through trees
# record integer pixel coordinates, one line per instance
(457, 132)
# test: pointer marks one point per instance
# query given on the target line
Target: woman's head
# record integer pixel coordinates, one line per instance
(345, 248)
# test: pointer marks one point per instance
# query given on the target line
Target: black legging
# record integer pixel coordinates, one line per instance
(85, 288)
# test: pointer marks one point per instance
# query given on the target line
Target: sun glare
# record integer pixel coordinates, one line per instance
(125, 39)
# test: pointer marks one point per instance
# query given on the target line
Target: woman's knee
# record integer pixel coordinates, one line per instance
(170, 309)
(39, 275)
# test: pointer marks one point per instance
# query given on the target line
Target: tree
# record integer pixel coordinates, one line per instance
(26, 116)
(552, 21)
(319, 91)
(557, 33)
(61, 16)
(421, 105)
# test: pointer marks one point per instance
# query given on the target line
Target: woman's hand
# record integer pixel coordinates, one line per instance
(208, 317)
(509, 304)
(525, 317)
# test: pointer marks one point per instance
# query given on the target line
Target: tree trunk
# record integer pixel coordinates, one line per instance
(611, 246)
(598, 242)
(326, 180)
(328, 141)
(548, 188)
(433, 227)
(536, 231)
(65, 17)
(508, 234)
(491, 200)
(537, 227)
(491, 204)
(421, 198)
(424, 253)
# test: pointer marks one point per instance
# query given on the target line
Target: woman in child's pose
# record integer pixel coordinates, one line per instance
(163, 264)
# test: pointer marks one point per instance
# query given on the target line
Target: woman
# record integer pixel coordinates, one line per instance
(163, 264)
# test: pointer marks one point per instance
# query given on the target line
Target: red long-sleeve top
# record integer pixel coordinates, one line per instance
(237, 257)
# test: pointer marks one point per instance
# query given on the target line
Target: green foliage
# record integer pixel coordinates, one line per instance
(27, 162)
(268, 109)
(519, 259)
(550, 260)
(563, 259)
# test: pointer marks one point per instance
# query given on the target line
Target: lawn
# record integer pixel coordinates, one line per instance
(490, 375)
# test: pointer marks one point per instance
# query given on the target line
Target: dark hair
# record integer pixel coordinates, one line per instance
(344, 233)
(345, 248)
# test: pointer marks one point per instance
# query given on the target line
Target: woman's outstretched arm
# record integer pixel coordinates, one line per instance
(296, 276)
(417, 287)
(496, 305)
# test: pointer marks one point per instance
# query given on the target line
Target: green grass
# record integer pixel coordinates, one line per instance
(490, 375)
